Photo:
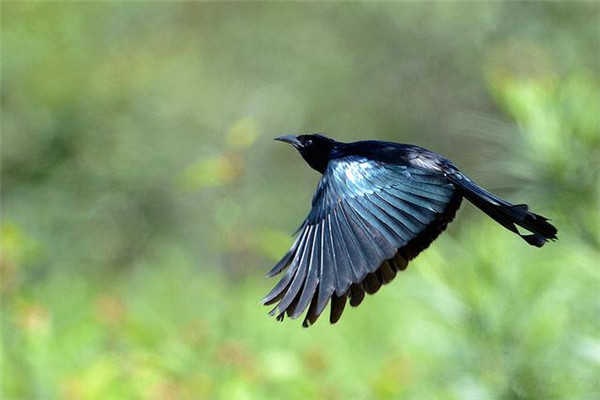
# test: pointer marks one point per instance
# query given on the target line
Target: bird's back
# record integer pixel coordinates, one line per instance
(395, 153)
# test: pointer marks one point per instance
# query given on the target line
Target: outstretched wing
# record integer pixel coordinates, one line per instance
(368, 219)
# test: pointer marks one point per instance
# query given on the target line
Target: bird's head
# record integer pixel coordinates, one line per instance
(316, 149)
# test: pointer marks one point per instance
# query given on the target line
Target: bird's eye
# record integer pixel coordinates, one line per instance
(309, 142)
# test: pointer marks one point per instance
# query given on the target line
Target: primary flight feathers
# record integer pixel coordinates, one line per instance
(377, 206)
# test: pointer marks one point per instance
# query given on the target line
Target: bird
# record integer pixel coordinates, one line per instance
(377, 206)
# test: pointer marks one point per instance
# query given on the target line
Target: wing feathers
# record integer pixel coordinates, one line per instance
(424, 193)
(311, 276)
(387, 272)
(371, 283)
(423, 209)
(357, 294)
(394, 230)
(395, 218)
(284, 262)
(328, 268)
(276, 293)
(372, 241)
(312, 314)
(402, 213)
(337, 307)
(343, 264)
(368, 220)
(357, 258)
(299, 276)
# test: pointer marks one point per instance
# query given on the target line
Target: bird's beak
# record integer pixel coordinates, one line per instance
(291, 139)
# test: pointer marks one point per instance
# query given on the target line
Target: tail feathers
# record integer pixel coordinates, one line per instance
(505, 213)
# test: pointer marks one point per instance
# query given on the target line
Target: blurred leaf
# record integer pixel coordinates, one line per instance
(213, 171)
(242, 134)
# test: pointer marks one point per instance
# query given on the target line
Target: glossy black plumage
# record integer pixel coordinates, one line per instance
(376, 207)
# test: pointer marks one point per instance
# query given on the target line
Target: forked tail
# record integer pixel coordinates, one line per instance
(505, 213)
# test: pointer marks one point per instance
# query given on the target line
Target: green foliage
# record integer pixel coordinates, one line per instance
(143, 199)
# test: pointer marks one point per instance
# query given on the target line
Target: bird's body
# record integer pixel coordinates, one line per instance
(376, 207)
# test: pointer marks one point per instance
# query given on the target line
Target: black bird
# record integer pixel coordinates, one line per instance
(377, 206)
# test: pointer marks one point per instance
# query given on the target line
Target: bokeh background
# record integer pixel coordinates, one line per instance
(143, 198)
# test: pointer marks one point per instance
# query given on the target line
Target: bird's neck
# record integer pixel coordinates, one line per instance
(318, 160)
(317, 163)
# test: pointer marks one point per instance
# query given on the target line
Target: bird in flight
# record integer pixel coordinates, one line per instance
(376, 207)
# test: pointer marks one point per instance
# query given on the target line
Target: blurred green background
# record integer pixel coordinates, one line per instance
(143, 198)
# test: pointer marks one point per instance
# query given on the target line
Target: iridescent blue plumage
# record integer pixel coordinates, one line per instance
(376, 207)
